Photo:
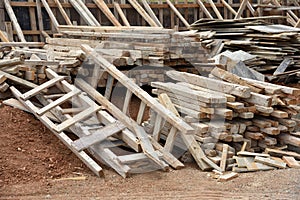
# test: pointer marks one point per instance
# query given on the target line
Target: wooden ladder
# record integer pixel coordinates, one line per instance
(97, 130)
(163, 115)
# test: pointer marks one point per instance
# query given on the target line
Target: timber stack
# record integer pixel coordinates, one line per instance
(237, 114)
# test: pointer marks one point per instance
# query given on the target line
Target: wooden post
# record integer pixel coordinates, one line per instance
(14, 20)
(2, 16)
(32, 21)
(40, 18)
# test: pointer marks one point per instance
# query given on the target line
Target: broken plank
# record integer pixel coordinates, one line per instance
(270, 162)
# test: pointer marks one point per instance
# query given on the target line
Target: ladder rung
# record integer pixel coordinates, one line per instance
(40, 88)
(78, 117)
(58, 101)
(98, 136)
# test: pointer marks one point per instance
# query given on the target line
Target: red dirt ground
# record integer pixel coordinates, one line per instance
(32, 161)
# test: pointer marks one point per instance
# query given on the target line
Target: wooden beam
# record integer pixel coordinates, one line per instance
(40, 18)
(14, 20)
(121, 13)
(63, 12)
(142, 12)
(212, 4)
(103, 7)
(50, 13)
(151, 13)
(178, 13)
(241, 9)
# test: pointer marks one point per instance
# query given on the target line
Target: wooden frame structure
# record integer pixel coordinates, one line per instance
(168, 14)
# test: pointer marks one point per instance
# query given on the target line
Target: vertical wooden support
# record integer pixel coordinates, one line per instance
(121, 13)
(63, 12)
(170, 140)
(157, 127)
(14, 20)
(9, 31)
(109, 87)
(2, 16)
(127, 101)
(161, 13)
(33, 21)
(141, 112)
(40, 18)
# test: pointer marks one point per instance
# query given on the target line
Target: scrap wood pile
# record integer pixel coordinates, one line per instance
(235, 119)
(274, 46)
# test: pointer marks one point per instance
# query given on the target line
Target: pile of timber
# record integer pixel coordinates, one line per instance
(140, 52)
(232, 114)
(274, 45)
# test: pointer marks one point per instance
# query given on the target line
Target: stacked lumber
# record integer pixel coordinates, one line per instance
(225, 109)
(275, 46)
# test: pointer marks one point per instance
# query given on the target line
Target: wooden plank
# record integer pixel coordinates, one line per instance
(142, 12)
(241, 9)
(83, 11)
(215, 9)
(33, 20)
(212, 84)
(291, 162)
(290, 139)
(178, 13)
(103, 7)
(170, 140)
(232, 78)
(63, 12)
(58, 101)
(228, 176)
(283, 65)
(121, 13)
(18, 80)
(98, 136)
(280, 153)
(50, 13)
(40, 88)
(270, 162)
(14, 20)
(166, 101)
(77, 118)
(229, 7)
(109, 87)
(151, 13)
(40, 17)
(3, 37)
(141, 112)
(246, 153)
(224, 157)
(127, 101)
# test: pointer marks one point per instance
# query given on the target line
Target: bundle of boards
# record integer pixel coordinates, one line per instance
(274, 45)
